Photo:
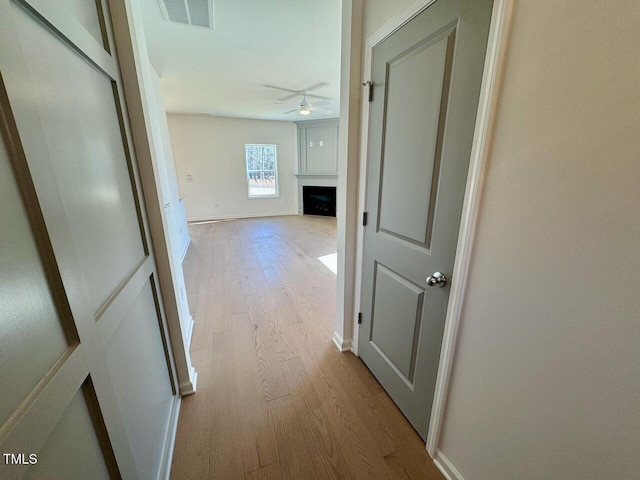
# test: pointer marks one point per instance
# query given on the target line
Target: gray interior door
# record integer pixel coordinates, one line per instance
(426, 82)
(86, 385)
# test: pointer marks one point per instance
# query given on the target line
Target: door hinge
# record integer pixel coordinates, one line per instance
(359, 318)
(364, 219)
(369, 84)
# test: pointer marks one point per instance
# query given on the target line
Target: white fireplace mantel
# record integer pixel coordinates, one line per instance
(314, 180)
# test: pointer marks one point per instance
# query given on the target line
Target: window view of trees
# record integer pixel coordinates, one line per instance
(262, 174)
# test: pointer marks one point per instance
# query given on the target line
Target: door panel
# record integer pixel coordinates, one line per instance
(143, 390)
(86, 12)
(73, 449)
(412, 137)
(396, 319)
(426, 83)
(32, 337)
(90, 165)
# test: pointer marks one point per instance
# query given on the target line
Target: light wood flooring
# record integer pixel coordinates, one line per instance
(276, 400)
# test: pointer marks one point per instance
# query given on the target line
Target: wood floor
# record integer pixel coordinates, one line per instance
(276, 400)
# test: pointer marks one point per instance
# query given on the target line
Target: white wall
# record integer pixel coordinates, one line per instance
(547, 376)
(174, 205)
(546, 380)
(178, 230)
(211, 149)
(348, 155)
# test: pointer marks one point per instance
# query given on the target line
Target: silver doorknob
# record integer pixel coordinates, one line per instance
(437, 280)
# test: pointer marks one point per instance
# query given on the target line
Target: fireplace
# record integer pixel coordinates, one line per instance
(319, 200)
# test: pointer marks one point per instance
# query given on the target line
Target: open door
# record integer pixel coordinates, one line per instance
(426, 83)
(87, 383)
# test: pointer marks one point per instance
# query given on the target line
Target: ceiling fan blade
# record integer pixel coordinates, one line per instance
(281, 88)
(318, 96)
(314, 86)
(290, 111)
(289, 104)
(303, 92)
(322, 110)
(289, 97)
(320, 103)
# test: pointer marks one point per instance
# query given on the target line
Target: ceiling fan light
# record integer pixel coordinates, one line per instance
(304, 111)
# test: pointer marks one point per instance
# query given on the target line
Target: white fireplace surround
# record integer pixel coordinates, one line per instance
(314, 180)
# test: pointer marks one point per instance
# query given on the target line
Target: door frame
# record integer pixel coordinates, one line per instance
(487, 107)
(129, 41)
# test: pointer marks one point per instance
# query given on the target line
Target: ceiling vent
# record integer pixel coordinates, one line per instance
(198, 13)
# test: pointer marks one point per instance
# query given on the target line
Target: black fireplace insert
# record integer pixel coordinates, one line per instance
(319, 201)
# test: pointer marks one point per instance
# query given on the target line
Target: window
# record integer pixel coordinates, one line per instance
(262, 171)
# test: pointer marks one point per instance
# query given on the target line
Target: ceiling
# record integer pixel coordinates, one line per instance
(288, 43)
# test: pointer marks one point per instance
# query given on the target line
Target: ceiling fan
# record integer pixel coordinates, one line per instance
(304, 107)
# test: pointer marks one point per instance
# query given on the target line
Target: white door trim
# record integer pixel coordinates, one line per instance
(129, 41)
(479, 152)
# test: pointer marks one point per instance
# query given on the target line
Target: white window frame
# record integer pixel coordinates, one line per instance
(275, 170)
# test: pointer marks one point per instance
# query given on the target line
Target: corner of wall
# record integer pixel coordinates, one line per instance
(446, 467)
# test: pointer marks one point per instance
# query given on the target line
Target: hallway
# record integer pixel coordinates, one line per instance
(275, 397)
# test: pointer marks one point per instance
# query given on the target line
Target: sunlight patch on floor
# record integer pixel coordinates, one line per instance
(331, 262)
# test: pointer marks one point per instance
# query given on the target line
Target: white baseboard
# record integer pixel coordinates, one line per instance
(243, 215)
(446, 467)
(185, 250)
(189, 387)
(343, 345)
(170, 440)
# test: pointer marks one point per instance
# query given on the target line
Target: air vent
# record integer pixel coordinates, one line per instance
(188, 12)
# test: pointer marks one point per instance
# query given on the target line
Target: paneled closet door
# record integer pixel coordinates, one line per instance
(86, 382)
